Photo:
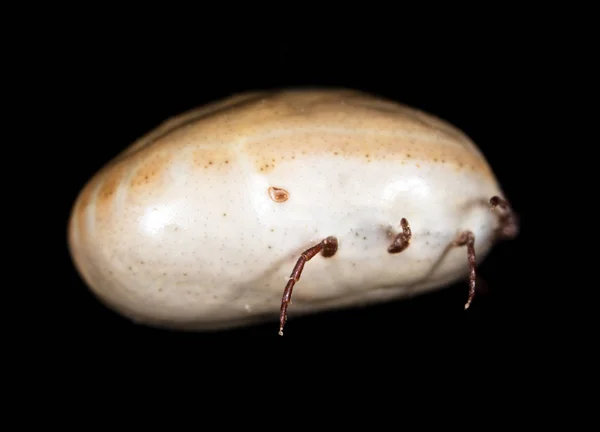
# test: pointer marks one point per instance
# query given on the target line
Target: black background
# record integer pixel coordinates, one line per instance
(121, 87)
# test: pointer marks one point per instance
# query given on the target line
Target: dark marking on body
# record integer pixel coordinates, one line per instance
(278, 195)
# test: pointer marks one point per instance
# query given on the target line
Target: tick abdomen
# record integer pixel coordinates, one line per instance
(198, 224)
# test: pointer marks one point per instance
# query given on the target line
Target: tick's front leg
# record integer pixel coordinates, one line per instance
(328, 248)
(467, 238)
(508, 229)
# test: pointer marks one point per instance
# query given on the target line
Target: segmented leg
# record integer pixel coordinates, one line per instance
(328, 248)
(467, 238)
(508, 229)
(509, 223)
(402, 240)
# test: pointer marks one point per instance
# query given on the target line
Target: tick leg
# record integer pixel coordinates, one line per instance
(509, 223)
(467, 238)
(328, 248)
(402, 240)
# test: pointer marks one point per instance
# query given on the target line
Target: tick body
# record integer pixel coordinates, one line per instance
(203, 223)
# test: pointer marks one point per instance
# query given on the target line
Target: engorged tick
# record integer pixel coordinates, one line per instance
(356, 163)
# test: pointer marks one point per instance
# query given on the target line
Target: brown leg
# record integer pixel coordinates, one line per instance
(328, 248)
(467, 238)
(509, 223)
(402, 240)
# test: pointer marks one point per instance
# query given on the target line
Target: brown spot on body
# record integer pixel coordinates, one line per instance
(151, 168)
(265, 164)
(207, 157)
(278, 195)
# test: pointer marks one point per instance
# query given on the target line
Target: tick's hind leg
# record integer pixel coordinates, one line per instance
(328, 248)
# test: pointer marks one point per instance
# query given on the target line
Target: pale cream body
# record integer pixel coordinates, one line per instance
(180, 231)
